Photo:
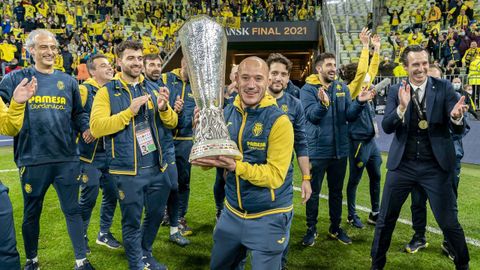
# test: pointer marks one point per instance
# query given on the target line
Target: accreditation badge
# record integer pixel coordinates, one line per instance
(144, 138)
(375, 127)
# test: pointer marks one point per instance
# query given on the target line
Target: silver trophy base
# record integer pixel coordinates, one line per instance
(218, 147)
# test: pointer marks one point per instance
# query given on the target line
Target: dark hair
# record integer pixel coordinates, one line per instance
(348, 72)
(279, 58)
(127, 44)
(411, 48)
(151, 57)
(321, 58)
(90, 64)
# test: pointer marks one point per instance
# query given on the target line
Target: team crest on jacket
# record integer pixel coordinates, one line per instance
(84, 178)
(285, 108)
(121, 195)
(60, 85)
(257, 129)
(28, 188)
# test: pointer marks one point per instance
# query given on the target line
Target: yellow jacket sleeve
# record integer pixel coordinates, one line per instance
(355, 86)
(373, 67)
(83, 94)
(102, 123)
(11, 119)
(279, 155)
(169, 118)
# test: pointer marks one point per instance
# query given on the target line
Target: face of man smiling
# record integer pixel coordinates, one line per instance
(252, 81)
(131, 63)
(327, 69)
(44, 51)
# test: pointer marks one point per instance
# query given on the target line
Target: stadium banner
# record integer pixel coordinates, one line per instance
(274, 31)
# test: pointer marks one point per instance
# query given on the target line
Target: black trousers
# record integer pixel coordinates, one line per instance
(437, 185)
(335, 169)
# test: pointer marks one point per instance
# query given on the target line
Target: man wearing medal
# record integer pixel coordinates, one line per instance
(422, 154)
(130, 113)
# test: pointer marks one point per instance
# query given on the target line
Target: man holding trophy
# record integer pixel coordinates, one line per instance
(258, 192)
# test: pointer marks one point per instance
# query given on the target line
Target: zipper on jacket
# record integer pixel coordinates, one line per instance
(240, 134)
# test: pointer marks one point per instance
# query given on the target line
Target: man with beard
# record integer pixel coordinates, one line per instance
(130, 113)
(259, 191)
(153, 72)
(11, 121)
(177, 82)
(279, 74)
(421, 113)
(328, 107)
(45, 148)
(94, 168)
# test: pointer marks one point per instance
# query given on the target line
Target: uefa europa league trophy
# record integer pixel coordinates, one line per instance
(204, 46)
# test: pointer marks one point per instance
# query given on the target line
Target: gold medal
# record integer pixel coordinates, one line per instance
(423, 124)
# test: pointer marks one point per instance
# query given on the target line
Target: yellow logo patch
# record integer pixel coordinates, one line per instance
(28, 188)
(339, 87)
(360, 164)
(340, 94)
(60, 85)
(117, 94)
(190, 95)
(257, 129)
(121, 195)
(285, 108)
(281, 241)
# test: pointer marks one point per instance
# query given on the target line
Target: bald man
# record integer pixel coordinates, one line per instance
(258, 207)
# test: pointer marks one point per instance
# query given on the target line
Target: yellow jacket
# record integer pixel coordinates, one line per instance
(279, 153)
(59, 63)
(102, 123)
(400, 71)
(11, 118)
(474, 72)
(362, 74)
(8, 51)
(60, 7)
(44, 10)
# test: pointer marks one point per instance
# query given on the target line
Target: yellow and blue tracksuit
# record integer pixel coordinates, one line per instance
(328, 146)
(11, 120)
(259, 192)
(46, 151)
(364, 152)
(182, 134)
(141, 180)
(94, 171)
(292, 107)
(168, 148)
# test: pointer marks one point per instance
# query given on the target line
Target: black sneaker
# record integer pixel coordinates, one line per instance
(108, 240)
(341, 236)
(355, 222)
(31, 265)
(85, 266)
(447, 250)
(183, 227)
(418, 242)
(87, 247)
(310, 236)
(152, 264)
(178, 239)
(372, 219)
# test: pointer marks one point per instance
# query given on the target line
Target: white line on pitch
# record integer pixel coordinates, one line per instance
(9, 170)
(471, 241)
